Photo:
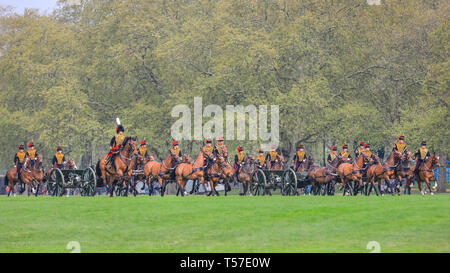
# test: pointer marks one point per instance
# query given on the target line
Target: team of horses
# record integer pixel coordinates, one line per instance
(363, 175)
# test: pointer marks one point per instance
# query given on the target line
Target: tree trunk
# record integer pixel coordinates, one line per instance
(442, 180)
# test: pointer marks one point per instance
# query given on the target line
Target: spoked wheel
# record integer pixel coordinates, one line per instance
(258, 183)
(55, 182)
(289, 183)
(89, 183)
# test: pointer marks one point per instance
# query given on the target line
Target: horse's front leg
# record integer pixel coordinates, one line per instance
(111, 185)
(427, 180)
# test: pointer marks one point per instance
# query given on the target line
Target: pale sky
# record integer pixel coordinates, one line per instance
(20, 5)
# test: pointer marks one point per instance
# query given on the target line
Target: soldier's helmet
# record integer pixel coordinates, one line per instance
(58, 149)
(142, 142)
(344, 146)
(120, 128)
(401, 137)
(367, 145)
(208, 140)
(423, 143)
(30, 144)
(20, 147)
(300, 146)
(333, 148)
(175, 143)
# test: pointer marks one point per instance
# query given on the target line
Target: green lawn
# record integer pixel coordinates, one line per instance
(226, 224)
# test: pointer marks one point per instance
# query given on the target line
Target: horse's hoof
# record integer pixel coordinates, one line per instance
(432, 193)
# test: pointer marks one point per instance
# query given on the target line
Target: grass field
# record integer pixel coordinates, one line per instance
(226, 224)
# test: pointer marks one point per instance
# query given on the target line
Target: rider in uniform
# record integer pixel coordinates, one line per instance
(400, 146)
(19, 159)
(299, 157)
(220, 148)
(332, 155)
(360, 149)
(208, 150)
(367, 151)
(238, 159)
(58, 159)
(115, 145)
(261, 159)
(32, 154)
(272, 156)
(421, 155)
(345, 154)
(143, 150)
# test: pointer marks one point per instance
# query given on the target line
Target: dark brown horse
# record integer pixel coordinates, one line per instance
(161, 172)
(227, 172)
(403, 170)
(122, 163)
(305, 165)
(245, 172)
(31, 177)
(425, 173)
(323, 178)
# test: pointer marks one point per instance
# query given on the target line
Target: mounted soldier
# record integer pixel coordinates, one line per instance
(261, 159)
(345, 155)
(221, 148)
(208, 151)
(58, 160)
(360, 149)
(143, 150)
(32, 154)
(367, 151)
(332, 154)
(238, 159)
(271, 157)
(400, 146)
(19, 160)
(299, 157)
(115, 144)
(421, 154)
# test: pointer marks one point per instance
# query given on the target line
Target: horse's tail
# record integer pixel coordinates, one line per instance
(6, 179)
(98, 173)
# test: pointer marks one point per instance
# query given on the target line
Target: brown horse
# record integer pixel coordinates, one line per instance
(352, 173)
(322, 178)
(194, 171)
(161, 172)
(122, 163)
(403, 170)
(31, 177)
(227, 173)
(245, 172)
(382, 171)
(426, 172)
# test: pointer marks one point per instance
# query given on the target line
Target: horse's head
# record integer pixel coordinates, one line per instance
(175, 157)
(129, 145)
(71, 163)
(187, 158)
(398, 155)
(435, 161)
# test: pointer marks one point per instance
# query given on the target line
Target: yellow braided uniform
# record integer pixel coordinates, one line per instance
(300, 155)
(273, 155)
(21, 157)
(142, 151)
(32, 154)
(261, 159)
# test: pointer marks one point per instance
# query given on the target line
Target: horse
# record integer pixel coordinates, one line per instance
(323, 177)
(245, 172)
(194, 171)
(121, 163)
(403, 170)
(352, 172)
(382, 171)
(31, 176)
(161, 172)
(227, 173)
(426, 172)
